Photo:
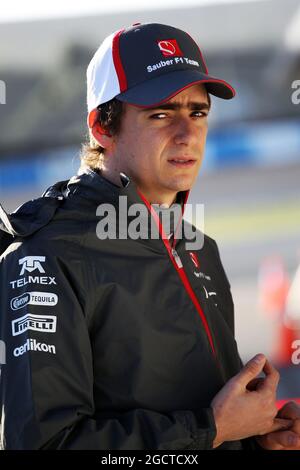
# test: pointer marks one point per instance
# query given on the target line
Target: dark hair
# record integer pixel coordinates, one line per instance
(109, 117)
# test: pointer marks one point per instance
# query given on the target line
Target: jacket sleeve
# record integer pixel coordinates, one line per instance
(47, 381)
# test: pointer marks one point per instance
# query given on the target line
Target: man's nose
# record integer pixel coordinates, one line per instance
(185, 131)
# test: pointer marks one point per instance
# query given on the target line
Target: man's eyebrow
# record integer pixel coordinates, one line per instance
(192, 105)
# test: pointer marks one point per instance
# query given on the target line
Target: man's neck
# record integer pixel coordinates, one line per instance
(162, 200)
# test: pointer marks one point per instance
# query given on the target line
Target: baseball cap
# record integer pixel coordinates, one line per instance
(146, 64)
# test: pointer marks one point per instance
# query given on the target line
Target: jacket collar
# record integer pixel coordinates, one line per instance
(93, 186)
(89, 185)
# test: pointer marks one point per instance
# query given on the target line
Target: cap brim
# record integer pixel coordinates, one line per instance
(160, 89)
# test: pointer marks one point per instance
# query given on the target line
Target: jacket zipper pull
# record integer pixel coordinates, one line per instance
(177, 258)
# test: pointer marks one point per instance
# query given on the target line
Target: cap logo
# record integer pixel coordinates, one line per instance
(169, 48)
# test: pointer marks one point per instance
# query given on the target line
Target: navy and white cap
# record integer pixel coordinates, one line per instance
(146, 64)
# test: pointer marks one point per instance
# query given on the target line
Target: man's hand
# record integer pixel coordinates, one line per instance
(246, 406)
(284, 440)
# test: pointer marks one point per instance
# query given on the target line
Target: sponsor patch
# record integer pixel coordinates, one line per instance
(31, 263)
(209, 294)
(33, 345)
(45, 280)
(194, 259)
(34, 298)
(202, 275)
(175, 61)
(44, 323)
(169, 48)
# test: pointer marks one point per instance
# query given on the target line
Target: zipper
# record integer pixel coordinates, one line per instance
(177, 263)
(184, 279)
(176, 258)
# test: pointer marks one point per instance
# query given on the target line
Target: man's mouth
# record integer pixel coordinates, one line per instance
(182, 162)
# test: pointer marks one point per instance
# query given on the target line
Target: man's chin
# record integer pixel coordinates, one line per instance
(182, 186)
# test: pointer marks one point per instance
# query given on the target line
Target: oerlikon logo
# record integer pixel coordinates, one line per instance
(169, 48)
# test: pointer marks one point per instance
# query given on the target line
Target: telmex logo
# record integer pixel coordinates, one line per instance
(31, 263)
(47, 280)
(45, 323)
(33, 298)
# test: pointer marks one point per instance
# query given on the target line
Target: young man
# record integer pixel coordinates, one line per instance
(113, 342)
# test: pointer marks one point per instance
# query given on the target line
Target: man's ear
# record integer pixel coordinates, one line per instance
(102, 136)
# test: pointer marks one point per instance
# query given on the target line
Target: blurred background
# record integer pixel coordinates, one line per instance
(250, 180)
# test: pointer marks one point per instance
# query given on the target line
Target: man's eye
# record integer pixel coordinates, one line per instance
(158, 116)
(200, 113)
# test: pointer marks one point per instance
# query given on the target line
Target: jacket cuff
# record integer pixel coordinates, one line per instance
(204, 436)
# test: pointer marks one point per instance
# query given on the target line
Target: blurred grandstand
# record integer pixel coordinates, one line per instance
(43, 64)
(250, 182)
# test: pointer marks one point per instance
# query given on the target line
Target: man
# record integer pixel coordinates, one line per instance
(114, 342)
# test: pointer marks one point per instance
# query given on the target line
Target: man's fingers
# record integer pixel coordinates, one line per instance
(254, 367)
(290, 410)
(284, 439)
(280, 424)
(255, 384)
(272, 376)
(251, 369)
(296, 426)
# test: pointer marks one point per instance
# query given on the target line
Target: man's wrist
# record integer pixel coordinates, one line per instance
(218, 438)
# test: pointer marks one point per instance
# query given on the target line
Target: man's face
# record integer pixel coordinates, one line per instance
(162, 148)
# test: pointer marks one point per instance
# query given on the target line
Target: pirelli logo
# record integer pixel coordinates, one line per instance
(44, 323)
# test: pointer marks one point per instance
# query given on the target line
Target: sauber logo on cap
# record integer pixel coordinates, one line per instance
(169, 48)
